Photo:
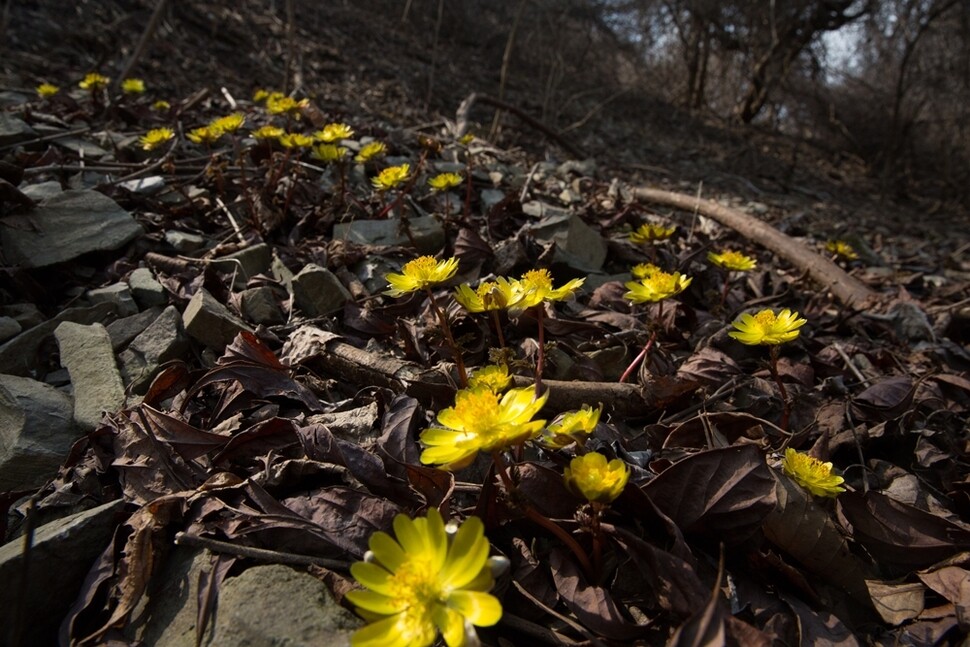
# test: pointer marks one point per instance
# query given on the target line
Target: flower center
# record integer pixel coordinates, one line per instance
(415, 586)
(765, 319)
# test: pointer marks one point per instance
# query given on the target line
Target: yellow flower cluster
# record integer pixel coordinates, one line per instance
(47, 90)
(812, 474)
(590, 476)
(328, 153)
(204, 135)
(295, 140)
(732, 261)
(155, 138)
(419, 274)
(656, 285)
(651, 233)
(516, 295)
(370, 151)
(571, 426)
(280, 104)
(133, 86)
(334, 133)
(427, 579)
(444, 181)
(268, 132)
(841, 248)
(391, 177)
(481, 420)
(93, 81)
(767, 328)
(494, 377)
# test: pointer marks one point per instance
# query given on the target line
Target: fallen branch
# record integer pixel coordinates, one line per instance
(435, 386)
(847, 289)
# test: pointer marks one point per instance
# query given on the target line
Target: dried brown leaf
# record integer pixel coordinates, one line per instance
(897, 603)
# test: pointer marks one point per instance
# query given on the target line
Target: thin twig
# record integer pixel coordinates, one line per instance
(850, 364)
(261, 554)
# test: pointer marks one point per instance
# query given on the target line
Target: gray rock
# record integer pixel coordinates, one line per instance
(538, 209)
(81, 146)
(36, 432)
(10, 98)
(27, 315)
(246, 263)
(62, 553)
(9, 327)
(13, 130)
(184, 241)
(577, 244)
(87, 355)
(265, 606)
(259, 306)
(19, 355)
(210, 322)
(357, 424)
(282, 273)
(145, 289)
(318, 291)
(122, 331)
(66, 226)
(491, 197)
(508, 253)
(162, 341)
(580, 167)
(43, 190)
(119, 294)
(144, 185)
(428, 233)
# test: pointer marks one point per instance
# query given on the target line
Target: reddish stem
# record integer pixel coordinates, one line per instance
(498, 329)
(541, 360)
(446, 329)
(785, 402)
(646, 349)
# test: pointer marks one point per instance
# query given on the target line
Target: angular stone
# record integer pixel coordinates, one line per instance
(27, 315)
(184, 241)
(246, 263)
(282, 273)
(19, 355)
(210, 322)
(43, 190)
(9, 327)
(577, 244)
(118, 294)
(538, 209)
(509, 253)
(162, 341)
(317, 291)
(490, 198)
(36, 432)
(144, 185)
(145, 289)
(62, 553)
(122, 331)
(87, 355)
(427, 231)
(259, 306)
(13, 130)
(264, 605)
(66, 226)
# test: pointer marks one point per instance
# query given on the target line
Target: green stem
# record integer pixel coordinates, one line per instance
(446, 329)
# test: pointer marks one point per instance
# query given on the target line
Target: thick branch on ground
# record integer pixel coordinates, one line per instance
(464, 109)
(846, 289)
(328, 353)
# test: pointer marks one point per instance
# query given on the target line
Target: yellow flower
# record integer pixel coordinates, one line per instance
(260, 95)
(328, 152)
(812, 474)
(767, 328)
(268, 132)
(732, 261)
(592, 478)
(160, 105)
(155, 138)
(841, 248)
(391, 177)
(229, 123)
(566, 427)
(333, 133)
(490, 295)
(93, 81)
(479, 421)
(650, 233)
(444, 181)
(466, 139)
(657, 286)
(643, 270)
(428, 579)
(278, 104)
(370, 151)
(420, 273)
(204, 135)
(47, 90)
(494, 377)
(133, 86)
(537, 287)
(295, 140)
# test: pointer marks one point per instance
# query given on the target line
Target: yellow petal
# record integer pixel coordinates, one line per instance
(451, 625)
(383, 633)
(483, 609)
(467, 555)
(387, 551)
(372, 576)
(375, 602)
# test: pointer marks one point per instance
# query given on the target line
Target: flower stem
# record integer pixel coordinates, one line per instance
(785, 402)
(646, 349)
(446, 329)
(727, 285)
(540, 519)
(498, 329)
(541, 359)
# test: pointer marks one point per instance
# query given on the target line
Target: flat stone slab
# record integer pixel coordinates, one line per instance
(87, 355)
(577, 244)
(210, 322)
(317, 291)
(13, 130)
(62, 553)
(427, 231)
(160, 342)
(36, 432)
(68, 225)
